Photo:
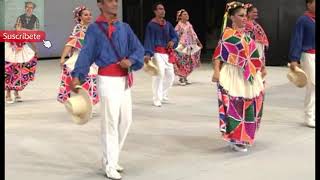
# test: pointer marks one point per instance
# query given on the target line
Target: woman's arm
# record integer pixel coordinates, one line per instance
(66, 50)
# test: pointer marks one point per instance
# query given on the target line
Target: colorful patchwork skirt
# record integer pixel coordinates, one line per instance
(90, 84)
(185, 64)
(240, 105)
(20, 66)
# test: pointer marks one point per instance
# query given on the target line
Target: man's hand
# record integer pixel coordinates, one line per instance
(147, 59)
(125, 63)
(293, 65)
(170, 45)
(74, 83)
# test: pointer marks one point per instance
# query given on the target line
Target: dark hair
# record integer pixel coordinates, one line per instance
(309, 1)
(81, 12)
(100, 1)
(155, 5)
(30, 2)
(251, 9)
(233, 11)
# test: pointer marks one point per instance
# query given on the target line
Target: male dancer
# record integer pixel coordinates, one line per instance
(302, 48)
(115, 49)
(160, 39)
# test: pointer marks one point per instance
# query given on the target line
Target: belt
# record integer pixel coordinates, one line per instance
(311, 51)
(159, 49)
(170, 52)
(112, 70)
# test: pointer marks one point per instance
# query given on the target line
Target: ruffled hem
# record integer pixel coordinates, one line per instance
(18, 75)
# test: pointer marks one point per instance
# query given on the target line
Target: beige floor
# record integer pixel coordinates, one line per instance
(179, 141)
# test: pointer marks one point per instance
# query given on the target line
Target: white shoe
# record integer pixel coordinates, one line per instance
(188, 82)
(112, 173)
(118, 167)
(311, 124)
(239, 148)
(157, 103)
(9, 100)
(182, 82)
(165, 100)
(18, 99)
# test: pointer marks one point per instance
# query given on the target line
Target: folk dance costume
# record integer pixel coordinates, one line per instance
(76, 40)
(20, 66)
(186, 63)
(302, 48)
(157, 36)
(257, 33)
(105, 44)
(20, 59)
(240, 87)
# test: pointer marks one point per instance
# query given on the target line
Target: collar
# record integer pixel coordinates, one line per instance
(311, 15)
(161, 23)
(102, 18)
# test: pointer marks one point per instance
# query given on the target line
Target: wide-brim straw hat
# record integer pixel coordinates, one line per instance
(190, 50)
(297, 76)
(151, 68)
(79, 106)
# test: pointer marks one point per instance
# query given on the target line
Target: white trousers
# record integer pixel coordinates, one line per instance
(116, 108)
(308, 66)
(162, 83)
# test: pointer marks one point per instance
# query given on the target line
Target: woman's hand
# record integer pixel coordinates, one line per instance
(215, 76)
(263, 72)
(62, 61)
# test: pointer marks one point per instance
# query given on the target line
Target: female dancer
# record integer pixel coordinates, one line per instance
(237, 71)
(20, 66)
(185, 63)
(82, 16)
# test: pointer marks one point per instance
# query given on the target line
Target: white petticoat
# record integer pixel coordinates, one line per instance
(18, 56)
(70, 63)
(232, 80)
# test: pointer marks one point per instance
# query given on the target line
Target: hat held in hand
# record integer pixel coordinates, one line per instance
(297, 76)
(79, 106)
(151, 68)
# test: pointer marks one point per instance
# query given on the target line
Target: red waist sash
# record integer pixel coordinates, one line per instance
(311, 51)
(170, 52)
(112, 70)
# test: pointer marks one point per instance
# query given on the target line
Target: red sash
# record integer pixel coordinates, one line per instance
(311, 51)
(170, 52)
(112, 70)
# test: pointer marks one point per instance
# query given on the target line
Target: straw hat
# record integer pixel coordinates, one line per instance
(297, 76)
(151, 68)
(187, 50)
(79, 106)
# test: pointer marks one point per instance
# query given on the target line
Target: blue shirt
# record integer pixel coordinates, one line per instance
(98, 49)
(156, 35)
(303, 38)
